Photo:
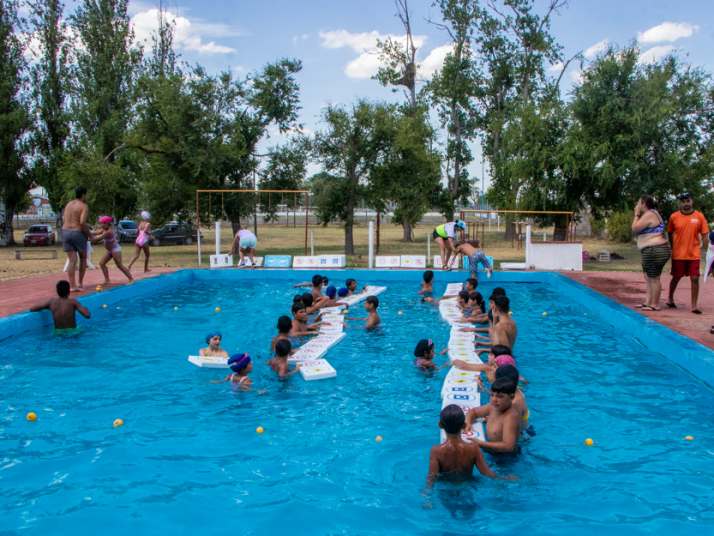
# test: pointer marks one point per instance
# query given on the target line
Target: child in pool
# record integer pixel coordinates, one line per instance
(284, 327)
(424, 354)
(478, 309)
(427, 285)
(213, 340)
(317, 283)
(300, 326)
(241, 365)
(503, 421)
(499, 356)
(471, 284)
(111, 244)
(372, 320)
(279, 363)
(455, 458)
(63, 308)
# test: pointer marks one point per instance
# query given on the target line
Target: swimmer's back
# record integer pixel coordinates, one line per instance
(456, 461)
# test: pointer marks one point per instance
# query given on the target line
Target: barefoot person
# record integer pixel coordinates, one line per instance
(688, 232)
(445, 235)
(143, 238)
(75, 232)
(244, 244)
(111, 244)
(649, 226)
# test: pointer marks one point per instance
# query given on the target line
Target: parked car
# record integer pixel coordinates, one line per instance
(127, 230)
(39, 235)
(174, 232)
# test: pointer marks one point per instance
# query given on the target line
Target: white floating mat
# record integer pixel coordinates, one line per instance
(205, 361)
(319, 369)
(317, 347)
(368, 291)
(453, 289)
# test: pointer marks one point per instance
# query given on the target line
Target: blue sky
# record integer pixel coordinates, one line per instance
(334, 38)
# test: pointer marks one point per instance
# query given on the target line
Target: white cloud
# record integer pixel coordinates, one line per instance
(667, 32)
(556, 67)
(655, 54)
(576, 75)
(188, 35)
(599, 47)
(433, 61)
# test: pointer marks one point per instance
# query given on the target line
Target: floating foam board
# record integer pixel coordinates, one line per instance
(317, 347)
(387, 261)
(453, 289)
(319, 369)
(479, 267)
(221, 261)
(413, 261)
(208, 361)
(278, 261)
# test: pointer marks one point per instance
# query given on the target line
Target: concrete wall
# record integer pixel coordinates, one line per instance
(565, 256)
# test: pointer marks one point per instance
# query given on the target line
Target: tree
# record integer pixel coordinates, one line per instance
(285, 170)
(50, 84)
(349, 149)
(14, 119)
(398, 60)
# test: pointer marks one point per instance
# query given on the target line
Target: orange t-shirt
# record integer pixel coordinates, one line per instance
(686, 230)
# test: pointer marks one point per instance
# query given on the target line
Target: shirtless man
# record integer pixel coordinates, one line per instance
(75, 232)
(63, 308)
(504, 329)
(503, 421)
(455, 458)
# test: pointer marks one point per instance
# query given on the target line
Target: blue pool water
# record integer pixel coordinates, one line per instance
(188, 459)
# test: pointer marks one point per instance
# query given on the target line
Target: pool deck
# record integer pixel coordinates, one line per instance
(18, 295)
(628, 289)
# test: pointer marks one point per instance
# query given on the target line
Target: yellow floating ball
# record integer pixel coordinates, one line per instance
(689, 438)
(31, 416)
(217, 309)
(378, 439)
(104, 306)
(118, 422)
(259, 430)
(589, 442)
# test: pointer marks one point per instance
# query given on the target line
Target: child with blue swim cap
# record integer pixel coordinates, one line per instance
(213, 340)
(241, 365)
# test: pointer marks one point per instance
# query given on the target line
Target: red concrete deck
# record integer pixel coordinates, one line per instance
(19, 295)
(628, 288)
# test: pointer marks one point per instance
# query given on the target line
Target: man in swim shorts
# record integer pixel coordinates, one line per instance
(63, 308)
(444, 235)
(503, 422)
(75, 233)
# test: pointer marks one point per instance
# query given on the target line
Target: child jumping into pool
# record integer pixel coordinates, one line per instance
(471, 250)
(455, 459)
(63, 308)
(111, 244)
(279, 363)
(213, 340)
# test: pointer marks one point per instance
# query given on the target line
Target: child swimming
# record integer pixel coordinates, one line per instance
(63, 308)
(213, 340)
(241, 365)
(455, 459)
(279, 363)
(111, 244)
(424, 354)
(300, 326)
(427, 285)
(284, 327)
(503, 421)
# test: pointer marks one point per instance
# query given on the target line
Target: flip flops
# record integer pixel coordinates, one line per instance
(671, 305)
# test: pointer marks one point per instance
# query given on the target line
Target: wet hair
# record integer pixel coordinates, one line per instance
(325, 280)
(298, 306)
(298, 297)
(428, 276)
(349, 282)
(63, 288)
(498, 291)
(508, 372)
(473, 282)
(307, 299)
(284, 324)
(502, 303)
(464, 295)
(422, 347)
(373, 301)
(452, 419)
(283, 348)
(79, 192)
(478, 298)
(503, 385)
(316, 280)
(648, 201)
(331, 292)
(500, 349)
(475, 242)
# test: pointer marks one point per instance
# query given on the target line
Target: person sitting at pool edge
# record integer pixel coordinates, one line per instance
(241, 365)
(455, 458)
(279, 363)
(427, 286)
(63, 308)
(503, 421)
(213, 340)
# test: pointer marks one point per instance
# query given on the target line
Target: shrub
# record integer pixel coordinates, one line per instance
(619, 227)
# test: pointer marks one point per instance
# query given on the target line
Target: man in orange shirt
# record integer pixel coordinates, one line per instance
(688, 232)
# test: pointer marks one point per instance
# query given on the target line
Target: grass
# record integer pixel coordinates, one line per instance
(282, 240)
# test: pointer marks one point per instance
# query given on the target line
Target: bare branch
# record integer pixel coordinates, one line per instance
(565, 66)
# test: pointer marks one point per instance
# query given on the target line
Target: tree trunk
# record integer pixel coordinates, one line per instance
(407, 235)
(7, 230)
(349, 238)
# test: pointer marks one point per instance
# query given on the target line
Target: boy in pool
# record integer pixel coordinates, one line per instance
(498, 356)
(503, 421)
(455, 458)
(63, 308)
(372, 320)
(213, 340)
(471, 249)
(478, 309)
(284, 327)
(471, 284)
(279, 363)
(316, 291)
(300, 326)
(240, 365)
(427, 285)
(424, 354)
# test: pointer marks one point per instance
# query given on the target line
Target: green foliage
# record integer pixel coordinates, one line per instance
(285, 170)
(619, 226)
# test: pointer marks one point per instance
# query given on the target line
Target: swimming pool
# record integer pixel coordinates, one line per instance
(188, 458)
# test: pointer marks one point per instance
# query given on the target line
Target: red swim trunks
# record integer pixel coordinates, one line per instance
(685, 268)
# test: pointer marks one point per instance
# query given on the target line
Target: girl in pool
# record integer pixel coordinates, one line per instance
(112, 246)
(213, 340)
(424, 354)
(142, 241)
(241, 365)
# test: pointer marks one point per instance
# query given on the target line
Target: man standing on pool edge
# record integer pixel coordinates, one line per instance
(75, 233)
(688, 231)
